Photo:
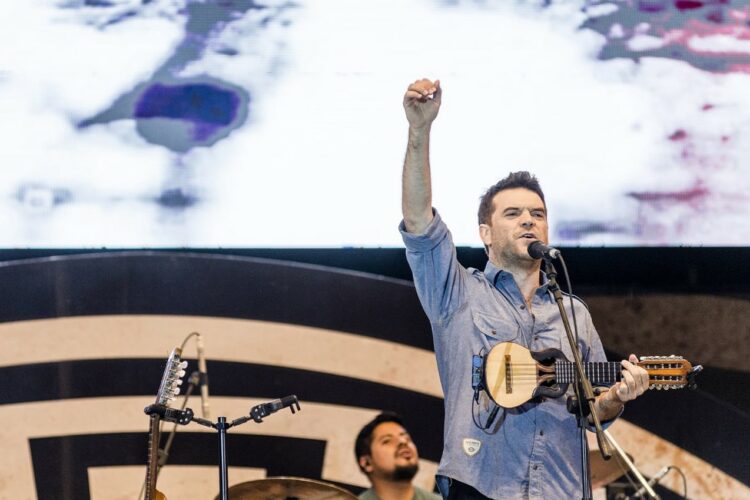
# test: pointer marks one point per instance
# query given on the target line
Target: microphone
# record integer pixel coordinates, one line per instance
(651, 482)
(263, 410)
(205, 410)
(539, 250)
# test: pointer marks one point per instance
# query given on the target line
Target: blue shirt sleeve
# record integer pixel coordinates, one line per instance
(438, 276)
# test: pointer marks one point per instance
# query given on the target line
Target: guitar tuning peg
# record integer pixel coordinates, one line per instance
(183, 365)
(181, 373)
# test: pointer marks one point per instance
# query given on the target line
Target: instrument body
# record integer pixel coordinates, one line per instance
(514, 375)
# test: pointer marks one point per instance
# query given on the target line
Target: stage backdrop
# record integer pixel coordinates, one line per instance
(83, 341)
(134, 123)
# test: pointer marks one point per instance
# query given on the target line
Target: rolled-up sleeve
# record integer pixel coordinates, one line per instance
(438, 276)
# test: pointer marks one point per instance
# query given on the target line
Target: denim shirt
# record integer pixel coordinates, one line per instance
(534, 450)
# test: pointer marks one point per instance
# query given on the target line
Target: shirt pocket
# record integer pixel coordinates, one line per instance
(497, 328)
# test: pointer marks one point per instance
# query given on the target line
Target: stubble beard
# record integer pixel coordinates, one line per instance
(510, 258)
(405, 473)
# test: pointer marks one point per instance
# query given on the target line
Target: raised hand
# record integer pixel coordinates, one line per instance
(422, 102)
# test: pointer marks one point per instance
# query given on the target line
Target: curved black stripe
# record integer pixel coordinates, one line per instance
(61, 463)
(235, 287)
(678, 270)
(698, 423)
(163, 283)
(138, 377)
(672, 415)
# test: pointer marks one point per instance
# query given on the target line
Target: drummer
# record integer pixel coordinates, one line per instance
(387, 455)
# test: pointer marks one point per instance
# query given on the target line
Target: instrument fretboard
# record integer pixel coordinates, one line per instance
(600, 373)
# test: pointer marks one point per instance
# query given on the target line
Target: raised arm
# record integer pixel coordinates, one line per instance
(421, 103)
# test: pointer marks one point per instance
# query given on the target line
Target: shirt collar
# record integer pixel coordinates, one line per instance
(493, 273)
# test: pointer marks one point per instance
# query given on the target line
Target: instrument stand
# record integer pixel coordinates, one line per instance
(257, 413)
(584, 399)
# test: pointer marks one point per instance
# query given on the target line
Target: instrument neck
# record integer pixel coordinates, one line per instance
(152, 462)
(601, 373)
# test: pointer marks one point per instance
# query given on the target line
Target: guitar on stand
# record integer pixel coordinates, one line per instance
(514, 375)
(168, 390)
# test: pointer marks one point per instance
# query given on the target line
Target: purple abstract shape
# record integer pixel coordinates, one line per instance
(690, 196)
(678, 24)
(208, 107)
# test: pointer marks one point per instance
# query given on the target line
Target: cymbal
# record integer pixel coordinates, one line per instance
(283, 488)
(603, 471)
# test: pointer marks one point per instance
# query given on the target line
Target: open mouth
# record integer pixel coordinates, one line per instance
(528, 236)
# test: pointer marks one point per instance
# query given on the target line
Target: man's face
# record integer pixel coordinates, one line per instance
(393, 455)
(518, 218)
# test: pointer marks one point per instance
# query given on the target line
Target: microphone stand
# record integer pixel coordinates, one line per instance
(583, 389)
(257, 412)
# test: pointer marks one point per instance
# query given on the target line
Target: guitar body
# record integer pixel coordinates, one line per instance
(514, 375)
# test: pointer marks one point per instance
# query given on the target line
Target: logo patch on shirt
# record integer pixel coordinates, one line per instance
(471, 446)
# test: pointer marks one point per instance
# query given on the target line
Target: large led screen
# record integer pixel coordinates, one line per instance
(239, 123)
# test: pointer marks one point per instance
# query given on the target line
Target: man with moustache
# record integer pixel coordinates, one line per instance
(534, 450)
(387, 455)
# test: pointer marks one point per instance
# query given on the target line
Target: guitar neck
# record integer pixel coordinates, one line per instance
(154, 436)
(664, 372)
(606, 373)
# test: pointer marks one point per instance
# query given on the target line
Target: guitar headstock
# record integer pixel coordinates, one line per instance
(172, 378)
(667, 372)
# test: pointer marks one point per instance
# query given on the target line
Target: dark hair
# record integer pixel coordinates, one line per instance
(521, 179)
(362, 446)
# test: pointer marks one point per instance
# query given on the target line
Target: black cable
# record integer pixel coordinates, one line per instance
(570, 296)
(684, 480)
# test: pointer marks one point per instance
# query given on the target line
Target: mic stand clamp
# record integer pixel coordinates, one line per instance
(257, 412)
(182, 417)
(583, 389)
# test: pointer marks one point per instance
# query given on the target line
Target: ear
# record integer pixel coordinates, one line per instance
(485, 233)
(364, 463)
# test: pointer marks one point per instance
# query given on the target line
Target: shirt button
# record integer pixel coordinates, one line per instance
(536, 337)
(535, 467)
(541, 433)
(523, 307)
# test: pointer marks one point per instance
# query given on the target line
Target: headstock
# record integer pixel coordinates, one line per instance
(172, 378)
(669, 372)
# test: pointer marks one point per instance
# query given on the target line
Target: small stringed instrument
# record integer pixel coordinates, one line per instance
(514, 375)
(168, 390)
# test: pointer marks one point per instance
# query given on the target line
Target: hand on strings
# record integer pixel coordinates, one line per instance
(634, 381)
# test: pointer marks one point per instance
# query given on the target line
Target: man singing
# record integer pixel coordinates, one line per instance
(532, 451)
